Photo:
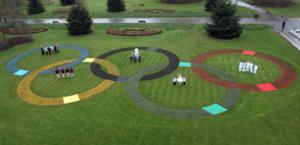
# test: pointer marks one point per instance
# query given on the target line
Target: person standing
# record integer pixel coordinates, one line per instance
(184, 81)
(57, 73)
(283, 25)
(42, 51)
(68, 72)
(49, 50)
(174, 81)
(72, 72)
(62, 72)
(140, 59)
(255, 69)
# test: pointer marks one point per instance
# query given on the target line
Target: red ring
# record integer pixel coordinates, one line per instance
(287, 77)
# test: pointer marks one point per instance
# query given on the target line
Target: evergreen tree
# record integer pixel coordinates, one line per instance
(225, 23)
(210, 5)
(67, 2)
(79, 21)
(34, 7)
(115, 6)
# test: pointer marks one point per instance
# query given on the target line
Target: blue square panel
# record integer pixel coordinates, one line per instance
(214, 109)
(185, 64)
(21, 72)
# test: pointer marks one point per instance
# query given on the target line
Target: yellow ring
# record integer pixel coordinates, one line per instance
(24, 91)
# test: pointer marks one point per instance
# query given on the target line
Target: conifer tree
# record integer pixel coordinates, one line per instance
(34, 7)
(79, 21)
(115, 6)
(225, 23)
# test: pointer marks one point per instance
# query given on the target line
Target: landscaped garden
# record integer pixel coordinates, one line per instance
(112, 117)
(181, 84)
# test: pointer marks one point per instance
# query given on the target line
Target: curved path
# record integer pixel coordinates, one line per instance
(12, 67)
(25, 93)
(229, 100)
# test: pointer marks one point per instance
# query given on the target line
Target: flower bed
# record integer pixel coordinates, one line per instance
(134, 31)
(154, 11)
(12, 42)
(180, 1)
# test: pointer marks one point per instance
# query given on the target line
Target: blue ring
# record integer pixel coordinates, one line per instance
(11, 66)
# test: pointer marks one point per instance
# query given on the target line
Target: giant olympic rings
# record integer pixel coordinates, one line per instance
(24, 91)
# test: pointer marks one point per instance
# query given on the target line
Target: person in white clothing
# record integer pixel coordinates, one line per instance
(251, 67)
(255, 69)
(241, 66)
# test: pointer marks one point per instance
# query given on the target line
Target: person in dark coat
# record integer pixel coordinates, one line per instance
(72, 72)
(67, 72)
(42, 51)
(55, 49)
(49, 50)
(283, 25)
(62, 72)
(130, 58)
(56, 71)
(140, 59)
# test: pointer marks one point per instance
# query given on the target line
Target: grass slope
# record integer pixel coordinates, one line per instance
(98, 9)
(111, 118)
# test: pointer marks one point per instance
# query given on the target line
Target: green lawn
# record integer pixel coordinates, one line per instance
(98, 9)
(112, 118)
(291, 11)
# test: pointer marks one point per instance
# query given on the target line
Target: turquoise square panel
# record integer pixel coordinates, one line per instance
(215, 109)
(185, 64)
(21, 72)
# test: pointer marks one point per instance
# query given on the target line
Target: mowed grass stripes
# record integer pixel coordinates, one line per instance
(112, 118)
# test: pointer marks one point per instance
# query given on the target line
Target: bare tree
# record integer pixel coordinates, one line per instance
(10, 12)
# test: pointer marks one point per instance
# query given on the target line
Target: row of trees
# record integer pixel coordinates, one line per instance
(36, 7)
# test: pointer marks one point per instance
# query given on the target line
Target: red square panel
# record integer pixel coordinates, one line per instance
(248, 52)
(267, 87)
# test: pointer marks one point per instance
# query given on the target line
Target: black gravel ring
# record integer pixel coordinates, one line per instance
(172, 66)
(231, 97)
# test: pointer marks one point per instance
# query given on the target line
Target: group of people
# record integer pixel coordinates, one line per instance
(64, 73)
(49, 50)
(247, 66)
(135, 56)
(179, 80)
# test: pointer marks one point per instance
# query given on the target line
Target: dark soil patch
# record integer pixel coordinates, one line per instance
(16, 32)
(154, 11)
(12, 42)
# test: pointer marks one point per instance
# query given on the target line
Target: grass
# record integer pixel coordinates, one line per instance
(98, 9)
(111, 118)
(291, 11)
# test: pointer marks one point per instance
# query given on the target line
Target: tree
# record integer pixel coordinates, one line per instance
(79, 21)
(210, 5)
(34, 7)
(225, 23)
(67, 2)
(115, 6)
(10, 11)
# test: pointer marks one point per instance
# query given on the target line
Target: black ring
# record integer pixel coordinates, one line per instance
(172, 66)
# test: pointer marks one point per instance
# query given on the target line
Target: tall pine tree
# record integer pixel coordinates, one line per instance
(210, 5)
(79, 21)
(34, 7)
(115, 6)
(67, 2)
(225, 23)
